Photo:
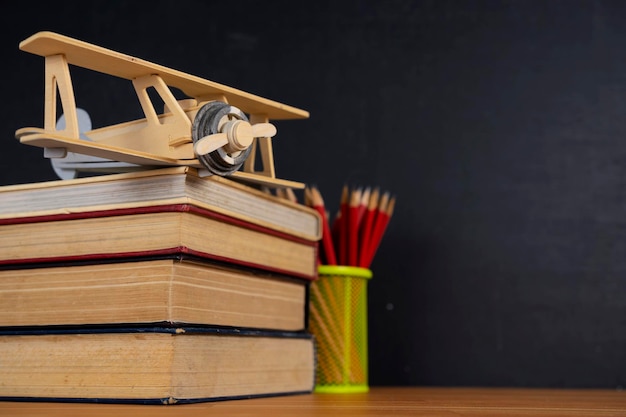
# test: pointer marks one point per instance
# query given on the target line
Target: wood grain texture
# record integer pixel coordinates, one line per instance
(380, 401)
(100, 59)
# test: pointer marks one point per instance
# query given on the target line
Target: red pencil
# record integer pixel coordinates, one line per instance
(365, 197)
(365, 232)
(353, 227)
(335, 230)
(376, 225)
(343, 226)
(380, 225)
(327, 242)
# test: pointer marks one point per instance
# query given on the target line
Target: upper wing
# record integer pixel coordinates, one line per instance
(104, 60)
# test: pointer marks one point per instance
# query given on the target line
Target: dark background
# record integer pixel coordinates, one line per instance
(498, 125)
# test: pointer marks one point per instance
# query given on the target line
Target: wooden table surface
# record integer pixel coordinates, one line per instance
(380, 401)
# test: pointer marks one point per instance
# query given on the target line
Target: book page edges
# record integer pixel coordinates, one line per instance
(315, 234)
(311, 235)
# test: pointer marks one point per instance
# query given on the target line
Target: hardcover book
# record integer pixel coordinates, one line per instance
(158, 187)
(154, 231)
(167, 291)
(153, 365)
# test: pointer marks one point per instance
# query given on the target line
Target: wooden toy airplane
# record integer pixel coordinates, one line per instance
(209, 130)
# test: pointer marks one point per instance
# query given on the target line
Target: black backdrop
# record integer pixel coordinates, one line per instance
(499, 126)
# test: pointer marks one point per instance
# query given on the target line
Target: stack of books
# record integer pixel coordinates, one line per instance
(154, 287)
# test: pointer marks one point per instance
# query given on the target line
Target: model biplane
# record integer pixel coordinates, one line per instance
(217, 129)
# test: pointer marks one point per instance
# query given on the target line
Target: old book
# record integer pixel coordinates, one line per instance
(154, 230)
(169, 291)
(154, 365)
(178, 185)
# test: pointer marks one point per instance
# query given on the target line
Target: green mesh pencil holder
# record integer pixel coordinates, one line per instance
(338, 319)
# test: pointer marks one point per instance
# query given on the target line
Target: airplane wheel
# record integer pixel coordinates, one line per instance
(209, 120)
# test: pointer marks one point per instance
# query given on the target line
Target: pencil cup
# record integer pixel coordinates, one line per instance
(338, 319)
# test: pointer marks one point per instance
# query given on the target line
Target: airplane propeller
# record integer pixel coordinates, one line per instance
(236, 135)
(222, 136)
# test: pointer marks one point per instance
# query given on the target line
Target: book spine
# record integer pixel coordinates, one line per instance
(173, 330)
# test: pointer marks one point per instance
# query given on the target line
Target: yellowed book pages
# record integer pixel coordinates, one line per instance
(153, 366)
(153, 233)
(178, 185)
(152, 291)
